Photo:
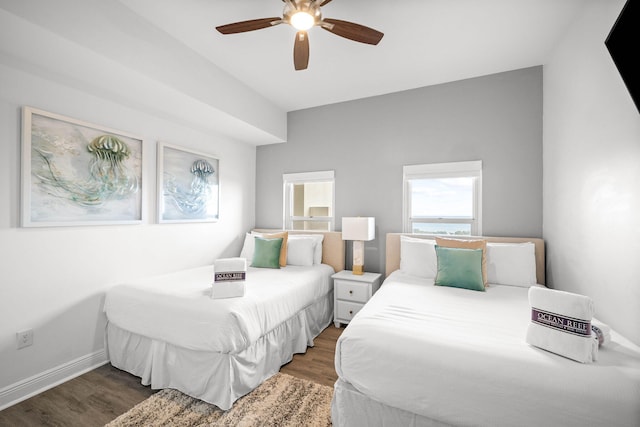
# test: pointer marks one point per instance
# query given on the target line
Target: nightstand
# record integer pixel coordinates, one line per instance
(351, 292)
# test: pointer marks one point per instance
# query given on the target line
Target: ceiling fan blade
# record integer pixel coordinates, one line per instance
(325, 2)
(254, 24)
(301, 51)
(352, 31)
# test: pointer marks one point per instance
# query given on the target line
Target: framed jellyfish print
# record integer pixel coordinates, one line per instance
(76, 173)
(188, 185)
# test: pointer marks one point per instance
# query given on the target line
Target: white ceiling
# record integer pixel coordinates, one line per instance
(426, 42)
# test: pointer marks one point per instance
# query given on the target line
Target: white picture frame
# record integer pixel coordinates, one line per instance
(188, 185)
(76, 173)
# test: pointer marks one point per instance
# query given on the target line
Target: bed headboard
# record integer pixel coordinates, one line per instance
(393, 250)
(333, 247)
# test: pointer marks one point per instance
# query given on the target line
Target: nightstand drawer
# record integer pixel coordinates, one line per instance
(351, 291)
(346, 310)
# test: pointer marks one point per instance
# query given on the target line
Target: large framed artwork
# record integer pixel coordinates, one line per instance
(77, 173)
(188, 185)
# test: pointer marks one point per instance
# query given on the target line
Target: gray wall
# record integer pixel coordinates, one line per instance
(496, 119)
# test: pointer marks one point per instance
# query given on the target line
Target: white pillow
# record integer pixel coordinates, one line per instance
(248, 247)
(300, 251)
(418, 257)
(317, 250)
(511, 264)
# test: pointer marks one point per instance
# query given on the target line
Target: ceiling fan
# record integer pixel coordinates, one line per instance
(302, 15)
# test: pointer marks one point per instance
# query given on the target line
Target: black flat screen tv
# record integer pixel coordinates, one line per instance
(624, 48)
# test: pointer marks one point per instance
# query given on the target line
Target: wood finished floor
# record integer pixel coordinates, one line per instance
(101, 395)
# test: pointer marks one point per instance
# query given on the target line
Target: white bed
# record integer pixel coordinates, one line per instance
(170, 332)
(419, 354)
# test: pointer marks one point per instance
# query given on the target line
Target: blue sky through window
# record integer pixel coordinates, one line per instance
(442, 197)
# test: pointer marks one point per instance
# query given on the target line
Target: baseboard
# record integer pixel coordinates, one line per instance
(36, 384)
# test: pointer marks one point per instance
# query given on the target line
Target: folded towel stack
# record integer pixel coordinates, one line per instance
(601, 332)
(229, 277)
(561, 324)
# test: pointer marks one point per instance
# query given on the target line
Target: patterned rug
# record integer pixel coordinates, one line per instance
(282, 400)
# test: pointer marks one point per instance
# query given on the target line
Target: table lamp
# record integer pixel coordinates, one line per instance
(359, 229)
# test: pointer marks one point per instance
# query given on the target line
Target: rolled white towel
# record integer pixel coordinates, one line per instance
(229, 277)
(566, 303)
(228, 289)
(601, 331)
(561, 324)
(224, 265)
(230, 269)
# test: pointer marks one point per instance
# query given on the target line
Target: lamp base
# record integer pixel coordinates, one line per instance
(358, 257)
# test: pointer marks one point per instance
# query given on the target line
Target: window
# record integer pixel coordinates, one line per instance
(443, 198)
(308, 201)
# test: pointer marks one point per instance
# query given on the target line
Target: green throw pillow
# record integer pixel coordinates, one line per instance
(459, 268)
(267, 253)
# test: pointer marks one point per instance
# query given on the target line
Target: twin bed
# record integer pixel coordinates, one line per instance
(425, 355)
(168, 331)
(415, 355)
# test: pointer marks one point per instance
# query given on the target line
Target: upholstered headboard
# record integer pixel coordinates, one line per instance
(393, 250)
(333, 247)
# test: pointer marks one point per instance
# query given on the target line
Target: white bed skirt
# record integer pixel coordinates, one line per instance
(217, 378)
(350, 408)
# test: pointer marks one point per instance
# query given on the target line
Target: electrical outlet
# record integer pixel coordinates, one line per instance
(24, 338)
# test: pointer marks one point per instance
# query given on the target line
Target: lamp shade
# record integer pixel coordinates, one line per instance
(359, 228)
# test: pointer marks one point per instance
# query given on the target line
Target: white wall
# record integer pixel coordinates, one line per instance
(592, 173)
(104, 47)
(53, 280)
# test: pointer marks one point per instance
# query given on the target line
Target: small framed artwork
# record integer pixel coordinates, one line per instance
(188, 185)
(77, 173)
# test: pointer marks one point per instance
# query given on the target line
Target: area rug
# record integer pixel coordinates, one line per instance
(282, 400)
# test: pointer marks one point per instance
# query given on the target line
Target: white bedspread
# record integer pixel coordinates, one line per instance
(177, 309)
(460, 357)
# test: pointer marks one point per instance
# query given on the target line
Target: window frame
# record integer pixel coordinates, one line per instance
(291, 179)
(465, 169)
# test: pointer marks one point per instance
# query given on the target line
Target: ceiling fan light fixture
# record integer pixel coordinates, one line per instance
(302, 15)
(302, 21)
